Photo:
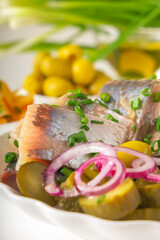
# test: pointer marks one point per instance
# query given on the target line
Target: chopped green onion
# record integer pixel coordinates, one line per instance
(146, 92)
(53, 105)
(153, 146)
(62, 179)
(156, 97)
(9, 136)
(16, 143)
(146, 140)
(77, 138)
(105, 97)
(156, 121)
(84, 120)
(149, 136)
(96, 121)
(87, 101)
(93, 154)
(10, 157)
(72, 102)
(136, 103)
(134, 127)
(100, 103)
(17, 110)
(1, 108)
(76, 94)
(111, 118)
(85, 127)
(117, 111)
(79, 111)
(101, 198)
(9, 117)
(153, 76)
(66, 171)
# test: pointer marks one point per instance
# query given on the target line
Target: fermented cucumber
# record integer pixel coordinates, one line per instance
(144, 214)
(115, 204)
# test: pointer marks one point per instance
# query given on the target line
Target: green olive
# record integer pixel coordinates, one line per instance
(30, 182)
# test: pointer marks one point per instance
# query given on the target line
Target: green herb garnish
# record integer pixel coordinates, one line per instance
(146, 140)
(9, 136)
(10, 157)
(87, 101)
(76, 94)
(153, 146)
(79, 111)
(105, 97)
(156, 121)
(53, 105)
(16, 143)
(100, 103)
(134, 127)
(85, 127)
(101, 198)
(84, 120)
(136, 103)
(116, 111)
(97, 122)
(146, 92)
(72, 102)
(62, 179)
(66, 171)
(77, 138)
(156, 97)
(111, 118)
(153, 76)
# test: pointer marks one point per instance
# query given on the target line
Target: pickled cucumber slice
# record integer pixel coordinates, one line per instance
(150, 195)
(144, 214)
(30, 182)
(115, 204)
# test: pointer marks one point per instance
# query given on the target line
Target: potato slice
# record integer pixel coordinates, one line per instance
(6, 94)
(115, 204)
(144, 214)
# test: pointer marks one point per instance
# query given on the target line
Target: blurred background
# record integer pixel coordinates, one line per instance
(48, 47)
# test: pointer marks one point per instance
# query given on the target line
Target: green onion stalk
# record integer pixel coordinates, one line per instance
(126, 15)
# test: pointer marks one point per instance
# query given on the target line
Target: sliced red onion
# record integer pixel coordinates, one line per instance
(152, 177)
(149, 165)
(157, 160)
(81, 149)
(90, 188)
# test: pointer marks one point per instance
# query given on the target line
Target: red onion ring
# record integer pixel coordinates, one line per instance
(140, 171)
(81, 149)
(151, 177)
(90, 188)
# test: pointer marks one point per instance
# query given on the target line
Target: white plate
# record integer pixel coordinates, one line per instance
(88, 227)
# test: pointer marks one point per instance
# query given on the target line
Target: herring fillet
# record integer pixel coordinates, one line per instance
(45, 131)
(123, 92)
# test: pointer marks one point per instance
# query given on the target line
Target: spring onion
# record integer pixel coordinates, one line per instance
(101, 198)
(66, 171)
(10, 157)
(156, 97)
(77, 138)
(79, 111)
(53, 105)
(84, 120)
(85, 127)
(87, 101)
(146, 92)
(16, 143)
(117, 111)
(153, 76)
(136, 103)
(153, 146)
(97, 122)
(146, 140)
(72, 102)
(134, 127)
(17, 110)
(105, 97)
(111, 118)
